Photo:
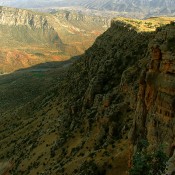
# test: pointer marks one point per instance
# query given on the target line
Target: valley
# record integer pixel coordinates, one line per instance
(29, 38)
(32, 82)
(93, 114)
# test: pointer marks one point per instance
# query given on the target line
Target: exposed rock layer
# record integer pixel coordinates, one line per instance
(154, 118)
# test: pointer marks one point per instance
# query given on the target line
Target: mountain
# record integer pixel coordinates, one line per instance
(117, 94)
(78, 29)
(30, 4)
(128, 5)
(137, 8)
(129, 8)
(29, 38)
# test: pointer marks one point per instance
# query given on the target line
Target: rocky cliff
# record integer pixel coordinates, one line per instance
(154, 116)
(78, 29)
(12, 16)
(118, 92)
(30, 22)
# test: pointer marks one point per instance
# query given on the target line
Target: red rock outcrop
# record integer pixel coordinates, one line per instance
(155, 111)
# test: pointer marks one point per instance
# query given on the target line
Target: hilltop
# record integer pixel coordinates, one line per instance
(147, 25)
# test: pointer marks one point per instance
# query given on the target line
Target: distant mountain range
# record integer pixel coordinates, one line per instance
(134, 8)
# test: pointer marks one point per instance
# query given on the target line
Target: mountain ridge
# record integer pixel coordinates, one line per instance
(81, 126)
(134, 8)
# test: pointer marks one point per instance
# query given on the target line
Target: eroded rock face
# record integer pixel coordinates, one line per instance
(155, 111)
(15, 17)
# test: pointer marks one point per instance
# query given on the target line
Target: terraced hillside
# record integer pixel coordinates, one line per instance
(117, 93)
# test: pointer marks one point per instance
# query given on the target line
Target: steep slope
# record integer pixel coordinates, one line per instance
(81, 126)
(29, 38)
(77, 29)
(23, 18)
(154, 115)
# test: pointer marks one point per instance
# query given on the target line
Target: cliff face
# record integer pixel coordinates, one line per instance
(79, 17)
(122, 85)
(13, 16)
(35, 26)
(77, 29)
(154, 118)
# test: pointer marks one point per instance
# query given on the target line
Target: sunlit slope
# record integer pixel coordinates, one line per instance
(28, 38)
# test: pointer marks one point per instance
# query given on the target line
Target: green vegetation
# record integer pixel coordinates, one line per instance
(90, 168)
(146, 163)
(170, 44)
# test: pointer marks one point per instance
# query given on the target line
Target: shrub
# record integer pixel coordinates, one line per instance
(145, 163)
(89, 168)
